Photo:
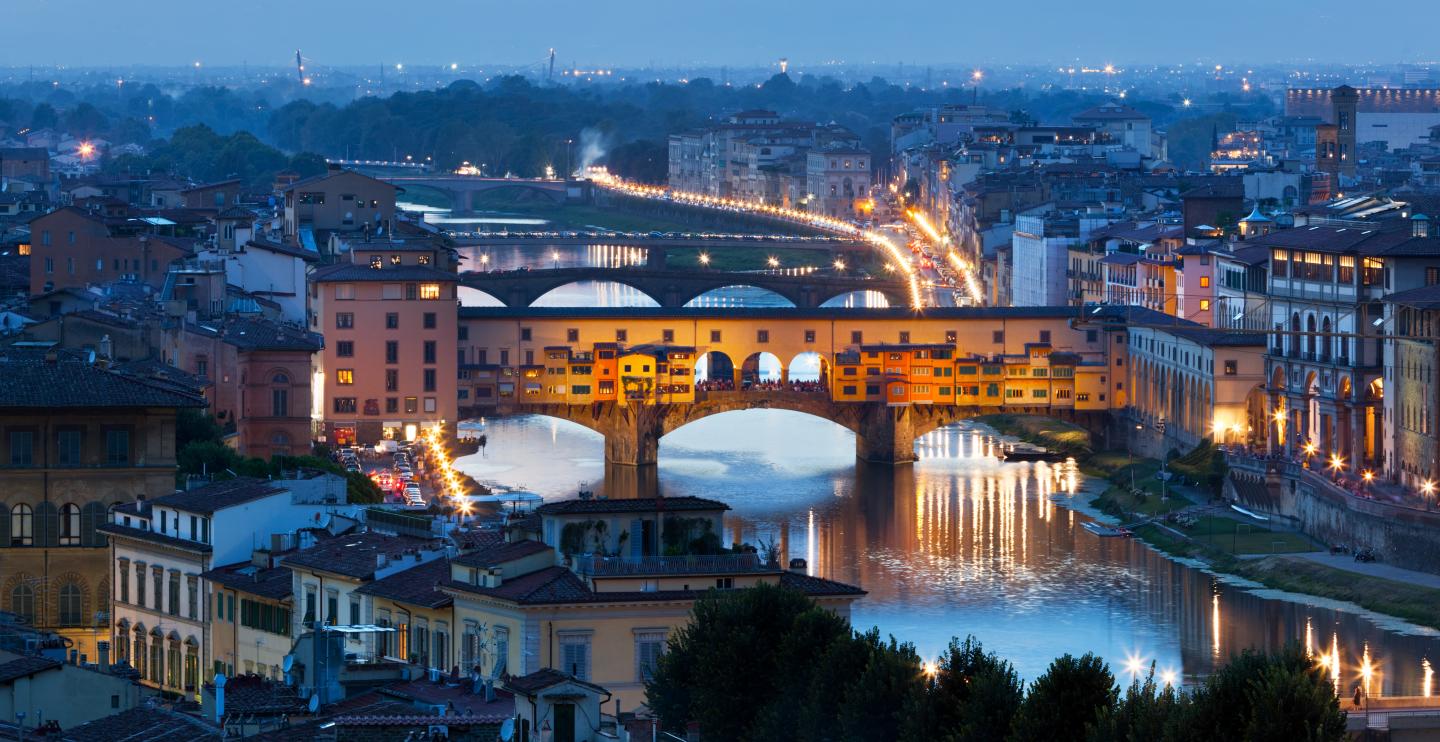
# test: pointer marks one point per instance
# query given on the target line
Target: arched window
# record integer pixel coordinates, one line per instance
(139, 657)
(22, 602)
(72, 612)
(69, 524)
(280, 378)
(280, 443)
(22, 525)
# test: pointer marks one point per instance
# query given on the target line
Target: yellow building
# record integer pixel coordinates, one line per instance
(251, 624)
(602, 591)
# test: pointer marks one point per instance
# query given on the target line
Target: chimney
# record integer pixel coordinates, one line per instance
(798, 566)
(102, 652)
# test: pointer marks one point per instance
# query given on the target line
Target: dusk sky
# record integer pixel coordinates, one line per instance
(737, 32)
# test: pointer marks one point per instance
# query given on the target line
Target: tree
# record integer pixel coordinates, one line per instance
(1146, 713)
(874, 699)
(1069, 696)
(1284, 694)
(722, 668)
(44, 117)
(974, 696)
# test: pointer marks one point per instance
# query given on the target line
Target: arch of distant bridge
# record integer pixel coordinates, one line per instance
(674, 289)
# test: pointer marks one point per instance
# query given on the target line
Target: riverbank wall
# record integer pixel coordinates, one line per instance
(1401, 536)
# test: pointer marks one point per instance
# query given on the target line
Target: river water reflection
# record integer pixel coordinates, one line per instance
(959, 543)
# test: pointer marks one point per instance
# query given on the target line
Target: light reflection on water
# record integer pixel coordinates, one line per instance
(958, 543)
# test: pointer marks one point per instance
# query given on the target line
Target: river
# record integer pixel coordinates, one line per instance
(960, 543)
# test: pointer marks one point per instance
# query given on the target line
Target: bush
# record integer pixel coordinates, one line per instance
(1071, 695)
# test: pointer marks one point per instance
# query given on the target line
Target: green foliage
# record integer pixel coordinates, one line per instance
(690, 536)
(973, 697)
(874, 699)
(1071, 694)
(193, 425)
(1204, 464)
(1284, 696)
(201, 153)
(574, 537)
(1147, 713)
(207, 457)
(722, 669)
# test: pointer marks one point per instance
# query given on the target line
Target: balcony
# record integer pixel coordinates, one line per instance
(708, 564)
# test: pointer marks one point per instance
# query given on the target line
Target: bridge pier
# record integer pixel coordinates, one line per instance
(886, 435)
(632, 435)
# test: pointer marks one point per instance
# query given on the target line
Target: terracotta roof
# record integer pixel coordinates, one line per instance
(219, 495)
(256, 333)
(271, 582)
(1112, 110)
(636, 505)
(353, 272)
(546, 677)
(560, 586)
(148, 724)
(24, 667)
(252, 694)
(419, 720)
(501, 553)
(1425, 297)
(415, 586)
(817, 586)
(28, 381)
(356, 556)
(291, 250)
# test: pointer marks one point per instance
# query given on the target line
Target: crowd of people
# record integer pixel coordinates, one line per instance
(752, 385)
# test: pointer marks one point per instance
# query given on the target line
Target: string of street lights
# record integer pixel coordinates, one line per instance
(898, 260)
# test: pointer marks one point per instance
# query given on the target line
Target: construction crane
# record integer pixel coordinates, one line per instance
(299, 67)
(550, 76)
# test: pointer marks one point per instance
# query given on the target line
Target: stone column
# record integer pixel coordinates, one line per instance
(632, 435)
(887, 434)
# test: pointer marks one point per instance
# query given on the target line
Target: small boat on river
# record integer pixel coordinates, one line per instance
(1104, 531)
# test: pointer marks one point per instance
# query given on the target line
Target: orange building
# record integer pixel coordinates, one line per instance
(72, 248)
(390, 360)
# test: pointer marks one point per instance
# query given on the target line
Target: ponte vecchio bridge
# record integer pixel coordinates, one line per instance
(889, 375)
(675, 288)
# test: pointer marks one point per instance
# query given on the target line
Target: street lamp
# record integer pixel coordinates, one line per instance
(772, 261)
(705, 258)
(839, 265)
(1336, 463)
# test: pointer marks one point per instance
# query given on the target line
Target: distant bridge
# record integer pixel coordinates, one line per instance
(462, 188)
(675, 289)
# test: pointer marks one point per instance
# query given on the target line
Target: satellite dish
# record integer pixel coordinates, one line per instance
(507, 730)
(287, 664)
(314, 703)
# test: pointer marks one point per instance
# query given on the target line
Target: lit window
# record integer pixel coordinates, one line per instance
(345, 376)
(1204, 282)
(429, 291)
(1204, 305)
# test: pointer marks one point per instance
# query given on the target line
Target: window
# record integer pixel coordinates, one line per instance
(429, 379)
(192, 598)
(412, 404)
(1044, 336)
(572, 335)
(392, 351)
(904, 337)
(22, 602)
(1204, 305)
(998, 337)
(856, 337)
(332, 608)
(762, 336)
(1204, 282)
(429, 291)
(621, 336)
(344, 376)
(117, 447)
(649, 645)
(429, 321)
(667, 336)
(22, 525)
(724, 583)
(392, 320)
(392, 380)
(124, 573)
(309, 605)
(139, 584)
(174, 593)
(429, 351)
(714, 336)
(69, 524)
(1230, 368)
(22, 448)
(345, 349)
(280, 402)
(392, 404)
(344, 291)
(410, 292)
(575, 655)
(344, 320)
(525, 334)
(354, 612)
(345, 405)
